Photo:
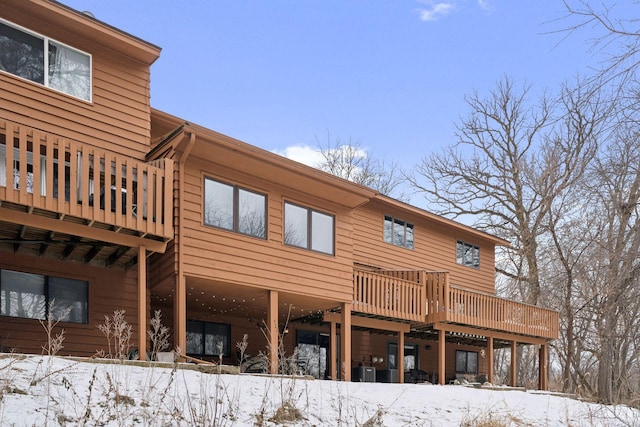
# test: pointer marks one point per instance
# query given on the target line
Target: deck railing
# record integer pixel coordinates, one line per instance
(94, 184)
(426, 296)
(389, 294)
(450, 304)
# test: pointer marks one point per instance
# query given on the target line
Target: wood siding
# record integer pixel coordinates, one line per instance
(118, 118)
(109, 290)
(235, 258)
(434, 248)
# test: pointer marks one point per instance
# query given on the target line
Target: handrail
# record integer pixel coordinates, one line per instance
(452, 304)
(427, 297)
(382, 294)
(94, 184)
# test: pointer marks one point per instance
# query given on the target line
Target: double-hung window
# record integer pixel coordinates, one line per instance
(35, 296)
(308, 228)
(467, 254)
(234, 208)
(398, 232)
(42, 60)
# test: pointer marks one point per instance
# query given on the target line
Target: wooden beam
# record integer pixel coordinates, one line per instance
(142, 303)
(490, 359)
(489, 333)
(367, 322)
(272, 330)
(68, 250)
(345, 341)
(400, 358)
(44, 223)
(542, 368)
(442, 356)
(91, 254)
(180, 313)
(514, 364)
(333, 350)
(116, 255)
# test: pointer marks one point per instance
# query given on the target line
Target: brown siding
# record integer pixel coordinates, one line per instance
(109, 290)
(434, 248)
(117, 119)
(231, 257)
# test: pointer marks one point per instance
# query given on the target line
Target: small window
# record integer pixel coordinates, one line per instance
(466, 362)
(27, 295)
(234, 208)
(208, 338)
(467, 254)
(398, 232)
(308, 229)
(44, 61)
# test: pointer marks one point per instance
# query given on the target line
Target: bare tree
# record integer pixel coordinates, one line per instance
(615, 189)
(349, 160)
(511, 160)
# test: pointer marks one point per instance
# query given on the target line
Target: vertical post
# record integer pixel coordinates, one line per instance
(423, 293)
(345, 341)
(442, 356)
(180, 313)
(490, 359)
(514, 367)
(142, 303)
(272, 326)
(400, 357)
(542, 368)
(333, 350)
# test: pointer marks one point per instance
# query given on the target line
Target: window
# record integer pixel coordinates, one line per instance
(410, 356)
(466, 362)
(208, 338)
(44, 61)
(397, 232)
(467, 254)
(307, 228)
(235, 209)
(27, 295)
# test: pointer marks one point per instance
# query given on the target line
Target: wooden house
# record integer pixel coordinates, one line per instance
(224, 238)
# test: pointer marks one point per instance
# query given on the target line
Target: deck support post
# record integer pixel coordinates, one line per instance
(345, 341)
(490, 359)
(542, 368)
(333, 350)
(514, 365)
(142, 303)
(400, 357)
(180, 314)
(272, 330)
(442, 356)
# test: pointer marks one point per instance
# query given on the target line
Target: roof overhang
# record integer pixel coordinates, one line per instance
(224, 152)
(82, 25)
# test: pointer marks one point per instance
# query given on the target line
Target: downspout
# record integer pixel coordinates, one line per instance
(180, 309)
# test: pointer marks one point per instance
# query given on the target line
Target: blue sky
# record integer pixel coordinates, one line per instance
(389, 73)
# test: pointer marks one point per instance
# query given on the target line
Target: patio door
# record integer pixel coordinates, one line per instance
(312, 349)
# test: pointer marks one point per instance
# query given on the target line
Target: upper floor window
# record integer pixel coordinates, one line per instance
(307, 228)
(398, 232)
(235, 208)
(45, 61)
(28, 295)
(467, 254)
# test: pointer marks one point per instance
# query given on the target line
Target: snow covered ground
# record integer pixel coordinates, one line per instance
(40, 391)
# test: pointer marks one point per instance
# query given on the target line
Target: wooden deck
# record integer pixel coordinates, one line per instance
(95, 185)
(424, 296)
